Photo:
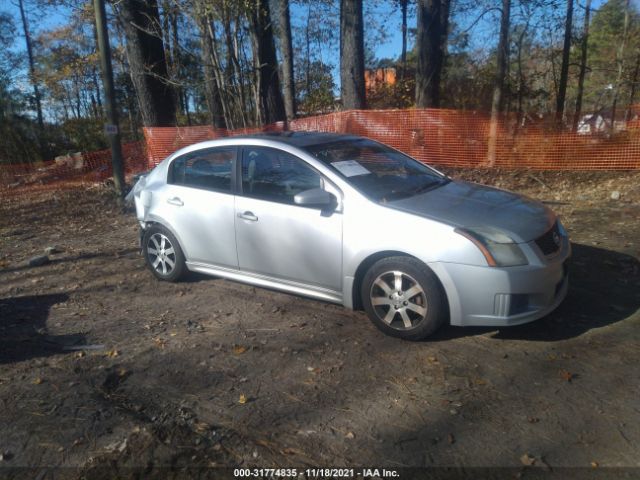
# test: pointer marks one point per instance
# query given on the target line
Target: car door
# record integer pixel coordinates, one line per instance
(199, 205)
(278, 238)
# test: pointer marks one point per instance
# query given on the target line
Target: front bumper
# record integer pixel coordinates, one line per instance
(498, 297)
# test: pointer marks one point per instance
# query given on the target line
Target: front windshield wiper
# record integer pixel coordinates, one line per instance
(429, 186)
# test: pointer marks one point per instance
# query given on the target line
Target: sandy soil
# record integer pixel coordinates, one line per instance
(103, 368)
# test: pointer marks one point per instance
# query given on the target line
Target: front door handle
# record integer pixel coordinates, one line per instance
(175, 201)
(248, 216)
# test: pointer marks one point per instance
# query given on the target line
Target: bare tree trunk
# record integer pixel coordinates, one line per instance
(96, 86)
(270, 95)
(77, 99)
(634, 86)
(211, 91)
(231, 78)
(147, 61)
(247, 77)
(32, 68)
(94, 106)
(94, 73)
(176, 60)
(220, 79)
(259, 112)
(583, 66)
(166, 34)
(431, 42)
(564, 69)
(307, 73)
(243, 101)
(620, 62)
(185, 102)
(352, 55)
(111, 110)
(171, 40)
(403, 55)
(521, 79)
(288, 84)
(498, 89)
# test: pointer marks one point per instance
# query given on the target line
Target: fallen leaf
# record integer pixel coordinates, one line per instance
(291, 451)
(243, 399)
(239, 349)
(432, 359)
(202, 427)
(527, 460)
(38, 380)
(350, 435)
(565, 375)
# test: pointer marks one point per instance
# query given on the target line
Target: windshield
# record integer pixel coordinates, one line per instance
(381, 173)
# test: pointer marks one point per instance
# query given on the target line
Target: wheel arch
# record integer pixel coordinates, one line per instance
(364, 266)
(152, 221)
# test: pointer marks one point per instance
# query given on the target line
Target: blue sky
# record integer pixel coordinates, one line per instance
(482, 35)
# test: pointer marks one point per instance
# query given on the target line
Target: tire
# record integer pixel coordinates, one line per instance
(412, 309)
(161, 250)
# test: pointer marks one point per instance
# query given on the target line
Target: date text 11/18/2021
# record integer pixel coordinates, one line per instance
(315, 472)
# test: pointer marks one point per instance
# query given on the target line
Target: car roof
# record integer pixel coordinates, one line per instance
(300, 139)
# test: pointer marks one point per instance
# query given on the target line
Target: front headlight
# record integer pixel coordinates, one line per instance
(498, 248)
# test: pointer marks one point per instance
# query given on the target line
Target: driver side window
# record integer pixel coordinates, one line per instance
(274, 175)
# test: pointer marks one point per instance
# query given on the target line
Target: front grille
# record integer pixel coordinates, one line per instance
(551, 241)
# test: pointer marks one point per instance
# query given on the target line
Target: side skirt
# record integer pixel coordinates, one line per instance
(268, 282)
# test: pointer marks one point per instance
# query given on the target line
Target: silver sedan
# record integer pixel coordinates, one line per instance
(348, 220)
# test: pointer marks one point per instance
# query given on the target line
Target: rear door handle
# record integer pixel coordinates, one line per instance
(248, 216)
(175, 201)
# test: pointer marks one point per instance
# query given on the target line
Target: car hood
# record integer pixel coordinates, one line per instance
(464, 204)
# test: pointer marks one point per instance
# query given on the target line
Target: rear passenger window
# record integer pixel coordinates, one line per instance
(206, 169)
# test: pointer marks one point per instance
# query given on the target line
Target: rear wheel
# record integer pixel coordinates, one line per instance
(403, 298)
(163, 254)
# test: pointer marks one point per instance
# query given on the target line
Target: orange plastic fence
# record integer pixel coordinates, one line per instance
(70, 171)
(447, 138)
(436, 136)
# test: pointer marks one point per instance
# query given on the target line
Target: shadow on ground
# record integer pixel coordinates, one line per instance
(23, 328)
(602, 291)
(73, 259)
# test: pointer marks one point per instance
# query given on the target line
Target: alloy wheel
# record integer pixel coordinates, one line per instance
(162, 255)
(398, 300)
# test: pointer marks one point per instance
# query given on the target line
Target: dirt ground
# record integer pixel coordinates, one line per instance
(103, 368)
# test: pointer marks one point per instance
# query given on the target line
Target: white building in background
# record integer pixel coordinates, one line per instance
(593, 123)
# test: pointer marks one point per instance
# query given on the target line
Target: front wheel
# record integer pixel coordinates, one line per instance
(163, 254)
(403, 298)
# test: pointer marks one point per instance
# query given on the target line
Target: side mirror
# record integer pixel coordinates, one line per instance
(315, 197)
